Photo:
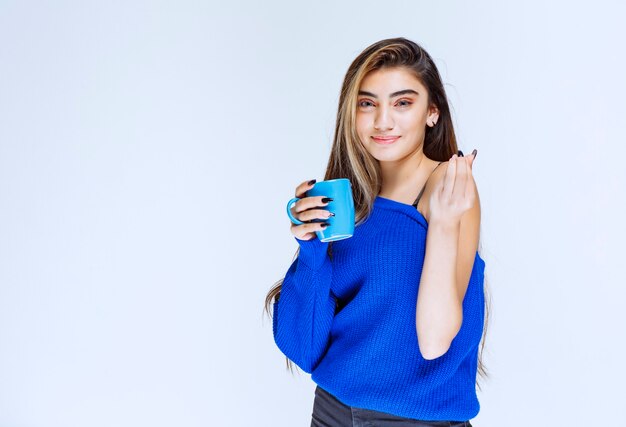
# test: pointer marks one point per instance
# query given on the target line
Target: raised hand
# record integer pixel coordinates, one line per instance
(455, 194)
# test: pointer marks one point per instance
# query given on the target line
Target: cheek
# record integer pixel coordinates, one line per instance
(362, 127)
(360, 122)
(411, 122)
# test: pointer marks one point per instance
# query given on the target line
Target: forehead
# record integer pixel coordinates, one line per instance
(385, 81)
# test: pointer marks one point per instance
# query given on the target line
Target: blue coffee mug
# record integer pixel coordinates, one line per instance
(340, 226)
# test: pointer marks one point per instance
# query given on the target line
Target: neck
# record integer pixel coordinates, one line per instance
(402, 178)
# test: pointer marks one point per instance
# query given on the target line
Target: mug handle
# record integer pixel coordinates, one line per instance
(289, 206)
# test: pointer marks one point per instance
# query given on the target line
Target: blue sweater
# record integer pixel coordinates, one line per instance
(350, 322)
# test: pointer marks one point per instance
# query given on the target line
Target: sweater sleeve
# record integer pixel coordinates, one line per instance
(305, 309)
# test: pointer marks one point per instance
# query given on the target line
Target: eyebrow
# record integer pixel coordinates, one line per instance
(398, 93)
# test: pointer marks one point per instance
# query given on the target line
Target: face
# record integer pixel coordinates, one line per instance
(393, 103)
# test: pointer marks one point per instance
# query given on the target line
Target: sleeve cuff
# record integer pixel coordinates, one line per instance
(313, 252)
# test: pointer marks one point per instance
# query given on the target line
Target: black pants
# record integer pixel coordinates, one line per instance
(330, 412)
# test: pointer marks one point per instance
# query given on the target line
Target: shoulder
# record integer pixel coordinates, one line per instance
(438, 173)
(435, 177)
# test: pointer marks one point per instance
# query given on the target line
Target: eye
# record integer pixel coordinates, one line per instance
(407, 102)
(364, 102)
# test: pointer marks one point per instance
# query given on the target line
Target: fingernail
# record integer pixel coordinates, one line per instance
(326, 200)
(331, 214)
(311, 182)
(460, 153)
(324, 224)
(475, 152)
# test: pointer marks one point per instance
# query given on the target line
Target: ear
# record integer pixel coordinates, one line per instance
(433, 115)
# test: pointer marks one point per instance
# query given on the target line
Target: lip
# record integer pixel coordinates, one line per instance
(386, 140)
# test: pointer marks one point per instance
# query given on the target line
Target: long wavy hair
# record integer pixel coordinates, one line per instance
(349, 159)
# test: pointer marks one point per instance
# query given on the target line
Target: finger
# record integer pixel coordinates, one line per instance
(297, 231)
(304, 187)
(307, 203)
(314, 214)
(467, 176)
(448, 180)
(307, 228)
(470, 163)
(471, 158)
(461, 177)
(313, 202)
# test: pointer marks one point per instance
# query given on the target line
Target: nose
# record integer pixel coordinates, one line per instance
(383, 120)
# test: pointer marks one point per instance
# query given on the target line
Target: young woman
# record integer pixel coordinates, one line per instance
(389, 321)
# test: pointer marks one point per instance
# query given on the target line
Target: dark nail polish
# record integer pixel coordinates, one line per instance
(324, 225)
(326, 200)
(475, 152)
(311, 182)
(460, 153)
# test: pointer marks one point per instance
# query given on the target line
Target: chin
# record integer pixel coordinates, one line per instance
(387, 157)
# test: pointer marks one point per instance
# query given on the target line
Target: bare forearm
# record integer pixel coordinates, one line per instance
(439, 311)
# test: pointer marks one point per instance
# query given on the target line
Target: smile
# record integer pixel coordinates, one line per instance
(386, 140)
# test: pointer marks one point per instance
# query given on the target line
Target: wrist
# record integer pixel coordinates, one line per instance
(445, 225)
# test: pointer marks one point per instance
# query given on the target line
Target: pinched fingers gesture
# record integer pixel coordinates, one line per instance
(455, 194)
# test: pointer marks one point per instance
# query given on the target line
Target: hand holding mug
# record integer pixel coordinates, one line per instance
(305, 210)
(330, 201)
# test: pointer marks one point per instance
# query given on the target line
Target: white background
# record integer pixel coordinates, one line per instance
(148, 149)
